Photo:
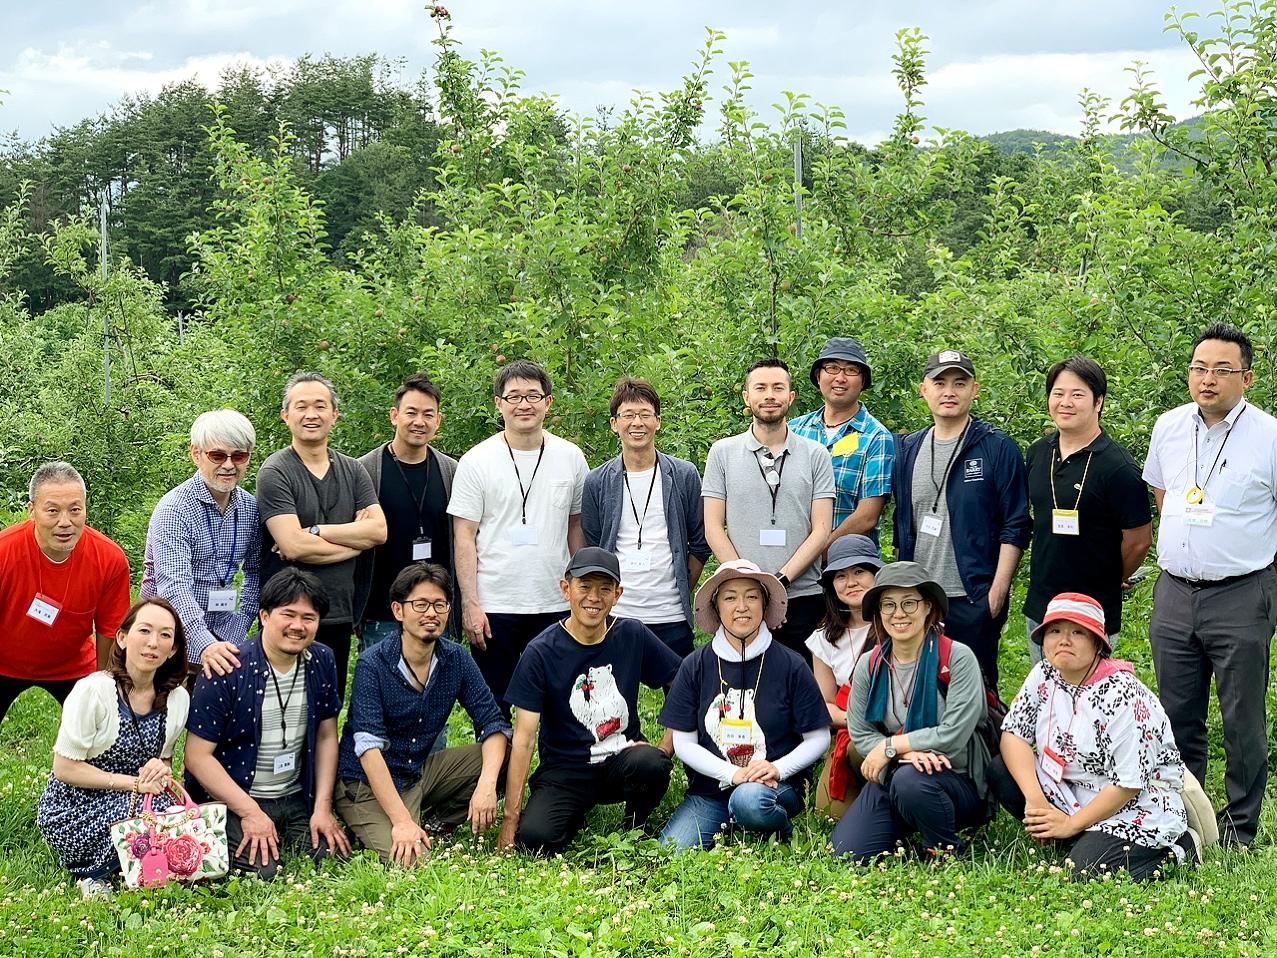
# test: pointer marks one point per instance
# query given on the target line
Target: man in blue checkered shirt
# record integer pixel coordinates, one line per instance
(202, 533)
(862, 448)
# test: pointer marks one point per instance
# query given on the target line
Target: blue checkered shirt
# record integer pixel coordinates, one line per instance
(862, 466)
(191, 548)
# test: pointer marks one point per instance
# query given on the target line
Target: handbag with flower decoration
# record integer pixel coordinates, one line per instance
(187, 843)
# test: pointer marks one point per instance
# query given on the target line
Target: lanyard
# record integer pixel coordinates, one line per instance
(757, 680)
(230, 559)
(528, 491)
(283, 702)
(780, 471)
(639, 520)
(425, 488)
(905, 697)
(39, 569)
(413, 672)
(1219, 452)
(1055, 502)
(944, 481)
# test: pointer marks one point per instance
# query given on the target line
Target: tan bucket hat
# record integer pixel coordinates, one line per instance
(773, 610)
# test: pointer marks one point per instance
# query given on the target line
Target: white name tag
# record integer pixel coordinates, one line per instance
(285, 762)
(222, 600)
(1052, 765)
(522, 535)
(1199, 515)
(636, 562)
(421, 550)
(932, 524)
(43, 609)
(771, 537)
(1064, 522)
(736, 731)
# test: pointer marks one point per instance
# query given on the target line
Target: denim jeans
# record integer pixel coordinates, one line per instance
(373, 631)
(751, 807)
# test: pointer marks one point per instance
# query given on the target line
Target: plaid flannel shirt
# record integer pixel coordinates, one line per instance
(863, 451)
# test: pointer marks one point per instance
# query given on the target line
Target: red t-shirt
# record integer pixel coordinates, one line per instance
(91, 588)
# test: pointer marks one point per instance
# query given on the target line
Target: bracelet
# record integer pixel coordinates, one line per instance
(135, 784)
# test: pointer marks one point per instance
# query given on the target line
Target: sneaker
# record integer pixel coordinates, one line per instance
(94, 888)
(1191, 843)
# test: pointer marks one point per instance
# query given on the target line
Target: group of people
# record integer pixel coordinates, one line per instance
(868, 690)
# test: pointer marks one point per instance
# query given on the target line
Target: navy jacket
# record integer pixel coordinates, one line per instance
(604, 498)
(227, 710)
(988, 498)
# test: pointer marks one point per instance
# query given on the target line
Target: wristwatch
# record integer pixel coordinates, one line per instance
(783, 579)
(314, 530)
(889, 750)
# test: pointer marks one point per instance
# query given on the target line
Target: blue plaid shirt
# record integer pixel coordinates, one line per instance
(191, 548)
(863, 451)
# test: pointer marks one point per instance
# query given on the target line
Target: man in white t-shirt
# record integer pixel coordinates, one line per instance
(516, 521)
(646, 507)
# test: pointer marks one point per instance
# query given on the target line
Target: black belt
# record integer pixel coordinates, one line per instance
(1215, 583)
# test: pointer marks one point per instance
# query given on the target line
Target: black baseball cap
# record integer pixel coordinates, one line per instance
(593, 559)
(945, 360)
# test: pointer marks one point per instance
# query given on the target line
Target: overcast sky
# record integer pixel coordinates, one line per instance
(994, 64)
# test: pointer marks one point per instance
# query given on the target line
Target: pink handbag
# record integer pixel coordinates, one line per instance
(186, 843)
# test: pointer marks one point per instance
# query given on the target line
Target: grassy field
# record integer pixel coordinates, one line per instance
(620, 894)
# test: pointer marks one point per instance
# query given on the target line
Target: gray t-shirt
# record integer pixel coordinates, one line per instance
(935, 552)
(734, 473)
(286, 487)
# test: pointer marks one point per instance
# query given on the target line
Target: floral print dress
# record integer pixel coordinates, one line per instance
(76, 821)
(1110, 731)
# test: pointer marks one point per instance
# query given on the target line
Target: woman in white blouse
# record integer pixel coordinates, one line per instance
(115, 741)
(1088, 757)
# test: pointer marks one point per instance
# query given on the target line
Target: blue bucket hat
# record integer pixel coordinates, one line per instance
(848, 551)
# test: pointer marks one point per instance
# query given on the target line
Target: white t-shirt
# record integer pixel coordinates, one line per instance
(840, 658)
(520, 564)
(647, 574)
(267, 783)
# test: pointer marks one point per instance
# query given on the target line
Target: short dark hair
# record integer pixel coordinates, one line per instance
(171, 673)
(1084, 368)
(773, 363)
(418, 382)
(1228, 334)
(635, 390)
(414, 575)
(289, 585)
(521, 369)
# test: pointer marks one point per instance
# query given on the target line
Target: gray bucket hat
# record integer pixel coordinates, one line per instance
(848, 350)
(904, 575)
(848, 551)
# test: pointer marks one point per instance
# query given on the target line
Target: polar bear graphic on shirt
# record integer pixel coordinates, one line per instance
(728, 705)
(598, 705)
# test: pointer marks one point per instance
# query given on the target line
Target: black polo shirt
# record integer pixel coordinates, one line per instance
(1113, 498)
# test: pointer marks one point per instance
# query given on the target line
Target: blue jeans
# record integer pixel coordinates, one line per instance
(677, 635)
(751, 807)
(373, 631)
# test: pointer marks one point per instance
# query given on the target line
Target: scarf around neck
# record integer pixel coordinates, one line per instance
(924, 702)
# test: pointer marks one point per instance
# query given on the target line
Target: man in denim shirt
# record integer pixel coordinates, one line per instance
(404, 691)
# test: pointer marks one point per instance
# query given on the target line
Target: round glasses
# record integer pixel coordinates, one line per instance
(907, 606)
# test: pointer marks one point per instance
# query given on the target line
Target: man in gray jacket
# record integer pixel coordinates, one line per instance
(646, 507)
(413, 483)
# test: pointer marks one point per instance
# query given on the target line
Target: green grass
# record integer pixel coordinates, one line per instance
(620, 894)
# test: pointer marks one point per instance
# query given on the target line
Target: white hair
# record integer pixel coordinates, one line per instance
(223, 425)
(58, 471)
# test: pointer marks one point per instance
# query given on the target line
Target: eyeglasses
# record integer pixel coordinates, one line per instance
(907, 606)
(531, 399)
(628, 417)
(837, 369)
(1197, 371)
(425, 605)
(219, 456)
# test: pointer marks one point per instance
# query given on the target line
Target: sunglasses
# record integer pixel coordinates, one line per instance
(218, 456)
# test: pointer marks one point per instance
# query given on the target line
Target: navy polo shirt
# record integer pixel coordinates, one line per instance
(227, 710)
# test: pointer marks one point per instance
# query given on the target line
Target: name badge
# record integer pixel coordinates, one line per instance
(285, 762)
(1052, 765)
(421, 548)
(43, 609)
(522, 535)
(222, 600)
(1199, 515)
(636, 562)
(1064, 522)
(931, 524)
(771, 537)
(736, 731)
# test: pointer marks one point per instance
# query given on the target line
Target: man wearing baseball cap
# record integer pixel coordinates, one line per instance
(578, 682)
(862, 449)
(962, 506)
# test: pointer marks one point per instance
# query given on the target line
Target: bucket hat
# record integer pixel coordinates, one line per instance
(848, 350)
(848, 551)
(1076, 608)
(904, 575)
(777, 599)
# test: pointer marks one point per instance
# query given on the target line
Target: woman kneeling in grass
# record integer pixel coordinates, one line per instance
(1090, 754)
(115, 741)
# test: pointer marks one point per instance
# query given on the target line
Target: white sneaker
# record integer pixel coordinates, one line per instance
(94, 888)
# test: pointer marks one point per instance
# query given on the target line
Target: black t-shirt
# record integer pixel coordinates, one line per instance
(781, 703)
(587, 695)
(1113, 498)
(400, 494)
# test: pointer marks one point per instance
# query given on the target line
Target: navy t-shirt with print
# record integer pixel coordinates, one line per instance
(587, 695)
(787, 704)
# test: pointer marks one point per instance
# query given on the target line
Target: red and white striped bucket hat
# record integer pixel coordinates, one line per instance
(1078, 608)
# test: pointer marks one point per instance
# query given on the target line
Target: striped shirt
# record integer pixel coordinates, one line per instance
(863, 451)
(193, 548)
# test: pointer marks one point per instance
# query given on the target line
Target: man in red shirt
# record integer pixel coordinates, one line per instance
(60, 582)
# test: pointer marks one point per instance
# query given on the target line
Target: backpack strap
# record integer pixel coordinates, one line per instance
(942, 675)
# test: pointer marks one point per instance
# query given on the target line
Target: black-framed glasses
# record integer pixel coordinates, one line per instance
(838, 369)
(531, 399)
(628, 417)
(219, 456)
(1198, 371)
(425, 605)
(907, 606)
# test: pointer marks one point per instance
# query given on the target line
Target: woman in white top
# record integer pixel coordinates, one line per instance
(835, 647)
(115, 741)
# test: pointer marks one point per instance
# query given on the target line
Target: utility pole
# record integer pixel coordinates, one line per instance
(798, 185)
(106, 322)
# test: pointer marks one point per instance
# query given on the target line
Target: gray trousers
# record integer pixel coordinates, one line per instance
(1225, 631)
